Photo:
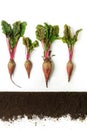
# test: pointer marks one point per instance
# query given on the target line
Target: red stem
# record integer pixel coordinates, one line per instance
(11, 51)
(70, 53)
(47, 54)
(27, 54)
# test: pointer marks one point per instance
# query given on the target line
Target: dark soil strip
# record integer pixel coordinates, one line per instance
(51, 104)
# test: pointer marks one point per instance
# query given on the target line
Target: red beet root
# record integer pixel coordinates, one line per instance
(28, 66)
(11, 68)
(69, 69)
(47, 68)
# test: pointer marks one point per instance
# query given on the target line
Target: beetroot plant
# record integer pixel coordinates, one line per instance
(47, 34)
(29, 48)
(70, 40)
(13, 34)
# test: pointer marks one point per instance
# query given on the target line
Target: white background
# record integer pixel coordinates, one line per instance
(71, 12)
(59, 12)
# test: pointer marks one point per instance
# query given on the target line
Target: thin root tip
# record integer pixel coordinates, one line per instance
(14, 82)
(47, 84)
(28, 74)
(68, 79)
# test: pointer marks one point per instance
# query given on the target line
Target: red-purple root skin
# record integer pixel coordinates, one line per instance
(69, 69)
(28, 67)
(47, 68)
(11, 67)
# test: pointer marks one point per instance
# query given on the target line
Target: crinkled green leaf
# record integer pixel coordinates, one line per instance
(56, 30)
(6, 28)
(40, 32)
(23, 27)
(13, 33)
(27, 41)
(76, 35)
(16, 28)
(67, 31)
(35, 44)
(29, 44)
(47, 34)
(68, 37)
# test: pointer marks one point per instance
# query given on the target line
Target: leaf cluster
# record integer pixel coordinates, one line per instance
(68, 37)
(29, 44)
(14, 32)
(47, 34)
